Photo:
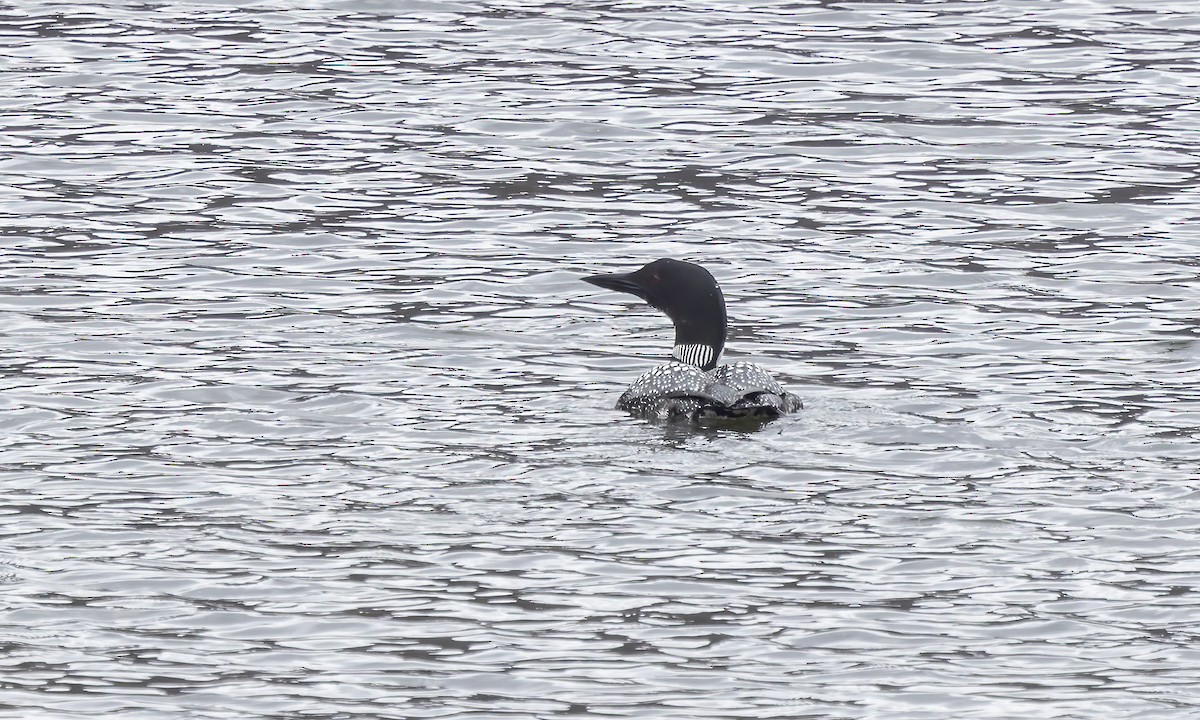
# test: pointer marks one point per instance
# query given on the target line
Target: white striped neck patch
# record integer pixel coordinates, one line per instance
(698, 355)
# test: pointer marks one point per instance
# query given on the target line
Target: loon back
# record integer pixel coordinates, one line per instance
(679, 391)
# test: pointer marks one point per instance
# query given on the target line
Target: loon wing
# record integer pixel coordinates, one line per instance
(746, 378)
(749, 392)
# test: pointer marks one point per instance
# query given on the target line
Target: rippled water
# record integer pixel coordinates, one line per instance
(307, 414)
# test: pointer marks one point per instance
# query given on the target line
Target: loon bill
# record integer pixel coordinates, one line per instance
(693, 386)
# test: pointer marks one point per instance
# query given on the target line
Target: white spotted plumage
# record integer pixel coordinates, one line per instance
(682, 390)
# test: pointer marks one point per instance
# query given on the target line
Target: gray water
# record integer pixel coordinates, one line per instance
(306, 413)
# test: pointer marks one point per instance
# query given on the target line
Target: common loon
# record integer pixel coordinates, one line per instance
(694, 387)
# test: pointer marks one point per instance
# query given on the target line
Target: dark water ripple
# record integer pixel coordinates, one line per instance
(307, 414)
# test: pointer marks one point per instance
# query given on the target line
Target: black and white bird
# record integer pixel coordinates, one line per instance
(693, 387)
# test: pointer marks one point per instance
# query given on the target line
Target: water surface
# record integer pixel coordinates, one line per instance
(306, 412)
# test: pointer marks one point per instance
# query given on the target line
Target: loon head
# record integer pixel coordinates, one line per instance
(689, 295)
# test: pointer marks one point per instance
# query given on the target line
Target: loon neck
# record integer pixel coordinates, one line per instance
(700, 330)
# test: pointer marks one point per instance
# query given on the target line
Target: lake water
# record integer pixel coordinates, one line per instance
(307, 414)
